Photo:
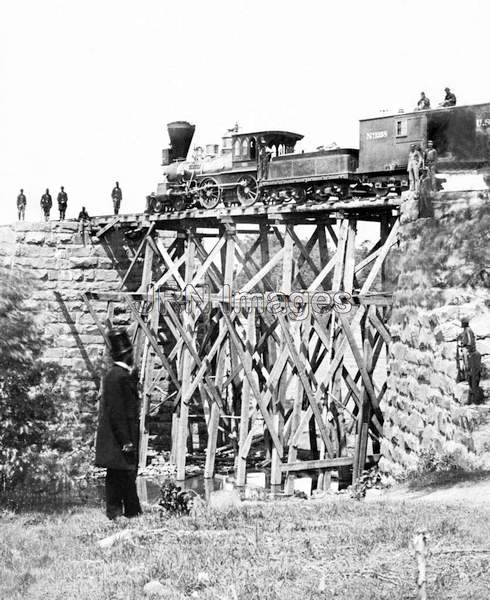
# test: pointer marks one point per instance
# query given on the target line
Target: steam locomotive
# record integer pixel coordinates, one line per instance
(263, 166)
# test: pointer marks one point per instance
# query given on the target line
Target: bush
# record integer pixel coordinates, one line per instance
(175, 500)
(42, 437)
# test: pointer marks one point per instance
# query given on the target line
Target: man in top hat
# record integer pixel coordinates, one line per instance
(62, 203)
(471, 361)
(21, 205)
(116, 198)
(116, 446)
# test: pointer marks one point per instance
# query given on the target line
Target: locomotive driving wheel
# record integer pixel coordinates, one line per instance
(247, 190)
(209, 193)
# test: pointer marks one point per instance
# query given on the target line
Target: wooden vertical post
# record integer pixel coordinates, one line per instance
(229, 269)
(146, 278)
(147, 381)
(270, 348)
(364, 415)
(303, 334)
(188, 321)
(241, 469)
(278, 401)
(334, 385)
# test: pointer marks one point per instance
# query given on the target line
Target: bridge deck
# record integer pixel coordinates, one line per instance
(362, 209)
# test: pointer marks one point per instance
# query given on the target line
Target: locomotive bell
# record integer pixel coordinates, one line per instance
(180, 134)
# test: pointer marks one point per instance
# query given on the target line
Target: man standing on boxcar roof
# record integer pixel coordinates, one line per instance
(116, 198)
(21, 206)
(116, 446)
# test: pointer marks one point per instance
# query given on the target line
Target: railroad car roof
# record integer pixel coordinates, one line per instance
(271, 132)
(430, 110)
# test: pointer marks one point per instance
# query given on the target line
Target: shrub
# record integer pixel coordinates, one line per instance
(42, 438)
(175, 500)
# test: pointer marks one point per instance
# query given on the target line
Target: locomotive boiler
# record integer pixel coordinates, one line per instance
(264, 167)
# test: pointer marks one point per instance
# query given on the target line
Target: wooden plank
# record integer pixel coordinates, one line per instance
(208, 261)
(329, 463)
(350, 257)
(310, 244)
(228, 265)
(295, 420)
(170, 273)
(390, 240)
(318, 281)
(332, 233)
(364, 290)
(215, 275)
(306, 384)
(96, 320)
(305, 252)
(189, 344)
(145, 403)
(358, 358)
(109, 225)
(241, 470)
(379, 326)
(137, 254)
(250, 376)
(262, 272)
(265, 283)
(188, 326)
(152, 339)
(364, 416)
(173, 268)
(278, 404)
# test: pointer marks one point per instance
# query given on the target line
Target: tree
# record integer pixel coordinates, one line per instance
(41, 433)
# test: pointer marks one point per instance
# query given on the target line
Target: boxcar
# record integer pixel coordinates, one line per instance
(461, 135)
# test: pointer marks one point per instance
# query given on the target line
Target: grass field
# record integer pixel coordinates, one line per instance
(295, 549)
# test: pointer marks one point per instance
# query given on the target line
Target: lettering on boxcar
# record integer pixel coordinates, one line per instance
(376, 135)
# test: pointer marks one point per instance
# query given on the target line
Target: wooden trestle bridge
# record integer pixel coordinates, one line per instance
(256, 332)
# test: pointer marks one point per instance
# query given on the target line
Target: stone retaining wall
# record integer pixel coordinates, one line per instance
(61, 266)
(440, 281)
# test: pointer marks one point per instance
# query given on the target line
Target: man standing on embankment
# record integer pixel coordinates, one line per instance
(116, 446)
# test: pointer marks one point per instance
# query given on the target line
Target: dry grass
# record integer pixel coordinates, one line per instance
(289, 550)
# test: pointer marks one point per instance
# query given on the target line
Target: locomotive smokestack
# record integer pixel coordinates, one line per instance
(180, 134)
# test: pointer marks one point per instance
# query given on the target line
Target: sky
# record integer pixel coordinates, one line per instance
(87, 87)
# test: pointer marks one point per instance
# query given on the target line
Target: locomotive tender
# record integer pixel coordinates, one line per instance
(263, 166)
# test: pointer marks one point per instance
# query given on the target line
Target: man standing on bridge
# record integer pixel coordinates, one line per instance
(116, 198)
(116, 446)
(46, 204)
(62, 203)
(21, 206)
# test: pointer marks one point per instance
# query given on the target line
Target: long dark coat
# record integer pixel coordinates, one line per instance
(118, 420)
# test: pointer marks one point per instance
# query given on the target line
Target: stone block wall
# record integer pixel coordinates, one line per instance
(61, 265)
(442, 278)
